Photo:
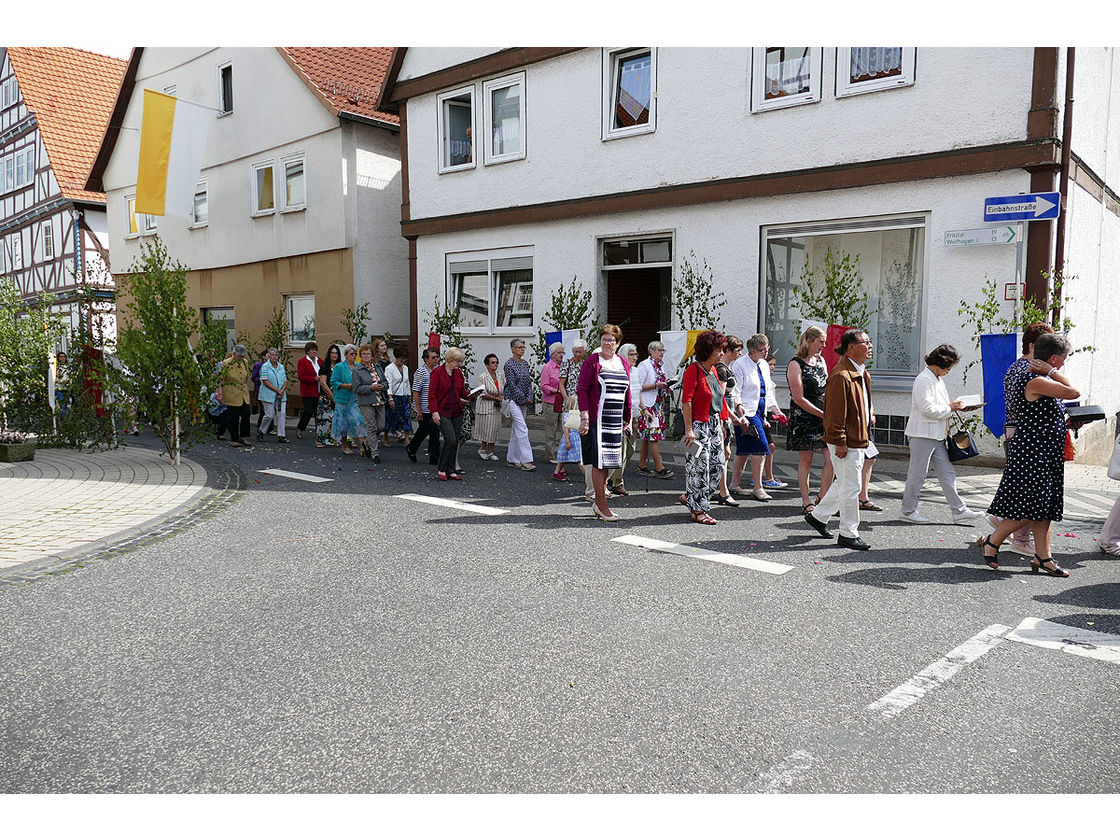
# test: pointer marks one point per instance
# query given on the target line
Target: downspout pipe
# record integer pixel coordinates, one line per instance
(1063, 189)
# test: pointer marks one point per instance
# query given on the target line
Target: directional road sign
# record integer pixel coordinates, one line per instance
(1029, 207)
(1001, 235)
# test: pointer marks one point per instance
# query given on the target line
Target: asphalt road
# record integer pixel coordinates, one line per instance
(332, 637)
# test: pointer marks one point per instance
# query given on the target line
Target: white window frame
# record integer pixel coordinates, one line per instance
(440, 121)
(3, 255)
(887, 380)
(253, 196)
(48, 240)
(490, 257)
(760, 104)
(612, 61)
(222, 112)
(488, 88)
(290, 340)
(201, 187)
(845, 87)
(285, 162)
(145, 223)
(16, 240)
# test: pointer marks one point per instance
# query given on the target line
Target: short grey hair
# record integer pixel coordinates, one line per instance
(554, 346)
(272, 350)
(625, 349)
(1051, 344)
(579, 343)
(513, 342)
(346, 348)
(240, 350)
(757, 341)
(654, 345)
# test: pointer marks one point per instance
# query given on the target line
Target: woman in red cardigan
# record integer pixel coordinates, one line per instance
(447, 394)
(704, 409)
(604, 410)
(307, 369)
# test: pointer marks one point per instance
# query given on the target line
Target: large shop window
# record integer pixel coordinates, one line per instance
(493, 291)
(891, 261)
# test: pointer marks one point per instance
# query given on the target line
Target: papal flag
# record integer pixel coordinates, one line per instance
(172, 140)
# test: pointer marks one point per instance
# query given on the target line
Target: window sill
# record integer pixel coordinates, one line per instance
(873, 87)
(461, 168)
(260, 214)
(620, 133)
(504, 159)
(198, 226)
(784, 102)
(224, 114)
(298, 209)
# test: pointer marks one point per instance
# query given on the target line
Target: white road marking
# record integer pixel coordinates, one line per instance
(1076, 507)
(1107, 501)
(704, 554)
(300, 476)
(911, 691)
(784, 774)
(453, 503)
(891, 485)
(1075, 640)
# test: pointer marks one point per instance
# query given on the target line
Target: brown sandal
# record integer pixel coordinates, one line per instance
(703, 517)
(869, 505)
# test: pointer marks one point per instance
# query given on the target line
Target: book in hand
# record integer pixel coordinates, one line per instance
(971, 402)
(475, 392)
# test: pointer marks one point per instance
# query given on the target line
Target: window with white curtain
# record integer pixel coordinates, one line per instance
(629, 91)
(785, 76)
(505, 118)
(456, 130)
(867, 69)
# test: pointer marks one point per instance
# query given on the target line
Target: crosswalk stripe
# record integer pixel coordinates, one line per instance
(315, 479)
(1075, 640)
(452, 503)
(703, 554)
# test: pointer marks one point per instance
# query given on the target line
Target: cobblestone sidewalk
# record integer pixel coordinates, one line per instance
(67, 502)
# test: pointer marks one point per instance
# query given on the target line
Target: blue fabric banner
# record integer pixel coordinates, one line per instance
(550, 337)
(997, 352)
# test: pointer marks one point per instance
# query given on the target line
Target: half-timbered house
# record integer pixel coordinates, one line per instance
(54, 106)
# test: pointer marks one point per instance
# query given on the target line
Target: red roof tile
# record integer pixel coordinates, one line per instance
(346, 79)
(71, 93)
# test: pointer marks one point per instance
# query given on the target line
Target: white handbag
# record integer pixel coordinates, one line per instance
(1114, 463)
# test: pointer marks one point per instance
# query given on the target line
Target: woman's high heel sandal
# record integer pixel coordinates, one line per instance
(1038, 565)
(993, 561)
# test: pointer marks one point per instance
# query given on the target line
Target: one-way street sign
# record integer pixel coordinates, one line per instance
(1029, 207)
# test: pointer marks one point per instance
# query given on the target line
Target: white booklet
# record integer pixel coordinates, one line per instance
(971, 401)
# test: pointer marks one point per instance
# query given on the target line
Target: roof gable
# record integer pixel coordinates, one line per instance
(71, 92)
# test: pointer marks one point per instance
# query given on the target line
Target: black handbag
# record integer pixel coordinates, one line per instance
(961, 444)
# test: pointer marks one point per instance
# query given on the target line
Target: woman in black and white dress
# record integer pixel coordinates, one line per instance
(604, 410)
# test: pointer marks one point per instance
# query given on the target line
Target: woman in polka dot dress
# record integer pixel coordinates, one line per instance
(1032, 486)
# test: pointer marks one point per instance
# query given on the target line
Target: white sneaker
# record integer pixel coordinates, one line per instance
(761, 495)
(915, 517)
(483, 455)
(493, 457)
(966, 515)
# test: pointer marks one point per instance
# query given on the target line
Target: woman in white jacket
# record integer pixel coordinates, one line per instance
(927, 428)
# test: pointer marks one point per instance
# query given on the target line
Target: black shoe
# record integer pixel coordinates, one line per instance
(820, 527)
(377, 459)
(726, 502)
(281, 440)
(852, 542)
(411, 455)
(260, 436)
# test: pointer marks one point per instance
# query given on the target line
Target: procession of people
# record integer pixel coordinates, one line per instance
(603, 407)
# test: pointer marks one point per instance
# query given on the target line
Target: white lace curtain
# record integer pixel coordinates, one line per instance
(873, 62)
(790, 73)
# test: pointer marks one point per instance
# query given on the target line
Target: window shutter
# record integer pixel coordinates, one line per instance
(513, 264)
(469, 267)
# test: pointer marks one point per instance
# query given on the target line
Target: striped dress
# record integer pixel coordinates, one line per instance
(615, 387)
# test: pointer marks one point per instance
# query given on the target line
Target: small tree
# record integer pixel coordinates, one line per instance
(355, 324)
(276, 335)
(29, 332)
(569, 308)
(161, 374)
(833, 292)
(695, 304)
(445, 321)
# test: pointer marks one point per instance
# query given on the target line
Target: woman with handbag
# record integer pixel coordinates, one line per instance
(927, 428)
(1033, 482)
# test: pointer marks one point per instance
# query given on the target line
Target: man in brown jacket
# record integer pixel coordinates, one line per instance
(847, 421)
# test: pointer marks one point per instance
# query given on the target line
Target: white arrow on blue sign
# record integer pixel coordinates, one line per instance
(1029, 207)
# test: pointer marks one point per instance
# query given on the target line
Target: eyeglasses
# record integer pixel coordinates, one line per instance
(869, 341)
(609, 339)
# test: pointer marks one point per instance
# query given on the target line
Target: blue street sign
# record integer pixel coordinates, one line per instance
(1029, 207)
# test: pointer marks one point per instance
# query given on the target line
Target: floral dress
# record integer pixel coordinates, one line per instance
(324, 415)
(651, 421)
(806, 431)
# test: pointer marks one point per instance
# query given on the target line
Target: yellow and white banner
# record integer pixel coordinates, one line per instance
(172, 141)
